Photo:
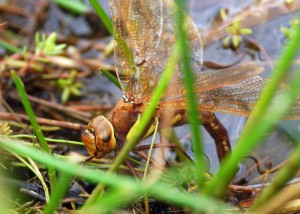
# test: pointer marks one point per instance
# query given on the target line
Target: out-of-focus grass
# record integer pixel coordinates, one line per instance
(120, 184)
(74, 6)
(137, 130)
(37, 130)
(192, 101)
(9, 47)
(263, 117)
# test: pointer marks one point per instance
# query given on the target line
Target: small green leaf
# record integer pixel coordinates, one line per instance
(236, 40)
(50, 41)
(226, 41)
(75, 91)
(246, 31)
(65, 95)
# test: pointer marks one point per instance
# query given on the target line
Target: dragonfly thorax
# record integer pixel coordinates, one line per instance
(122, 118)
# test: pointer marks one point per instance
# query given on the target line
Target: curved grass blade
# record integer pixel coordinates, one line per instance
(157, 190)
(260, 122)
(102, 15)
(111, 77)
(137, 130)
(58, 192)
(34, 123)
(9, 47)
(189, 82)
(49, 139)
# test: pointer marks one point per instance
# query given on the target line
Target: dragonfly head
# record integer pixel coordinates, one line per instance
(98, 137)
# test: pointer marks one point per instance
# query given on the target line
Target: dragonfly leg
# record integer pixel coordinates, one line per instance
(218, 132)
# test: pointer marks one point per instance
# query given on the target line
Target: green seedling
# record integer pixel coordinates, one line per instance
(47, 45)
(235, 34)
(69, 86)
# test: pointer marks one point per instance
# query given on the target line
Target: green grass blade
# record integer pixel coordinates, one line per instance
(36, 172)
(150, 151)
(49, 139)
(189, 82)
(58, 193)
(73, 6)
(137, 130)
(102, 15)
(111, 77)
(157, 190)
(260, 121)
(9, 47)
(34, 123)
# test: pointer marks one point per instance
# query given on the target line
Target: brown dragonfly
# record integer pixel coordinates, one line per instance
(144, 34)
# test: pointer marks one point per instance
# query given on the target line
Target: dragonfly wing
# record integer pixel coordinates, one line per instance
(145, 26)
(169, 37)
(137, 26)
(239, 98)
(123, 54)
(145, 32)
(206, 81)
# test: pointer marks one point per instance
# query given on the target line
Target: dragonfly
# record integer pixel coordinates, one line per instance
(144, 36)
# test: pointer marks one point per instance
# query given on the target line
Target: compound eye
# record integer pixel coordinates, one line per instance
(106, 138)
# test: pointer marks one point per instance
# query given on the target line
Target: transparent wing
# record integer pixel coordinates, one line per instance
(123, 55)
(238, 98)
(145, 33)
(168, 39)
(137, 26)
(215, 79)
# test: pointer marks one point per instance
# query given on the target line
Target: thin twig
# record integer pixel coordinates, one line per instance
(40, 120)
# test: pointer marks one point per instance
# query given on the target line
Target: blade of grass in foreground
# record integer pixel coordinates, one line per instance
(35, 125)
(59, 191)
(102, 15)
(137, 130)
(189, 84)
(49, 139)
(157, 190)
(260, 121)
